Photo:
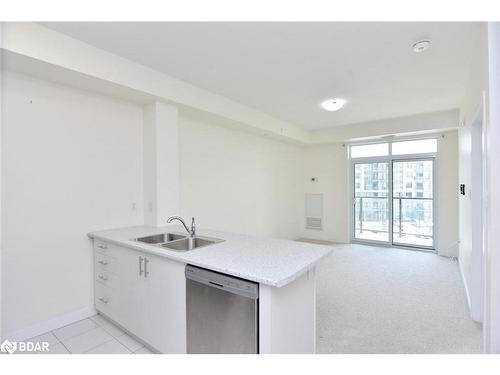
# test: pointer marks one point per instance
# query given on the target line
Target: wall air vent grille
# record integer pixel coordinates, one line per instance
(314, 223)
(314, 211)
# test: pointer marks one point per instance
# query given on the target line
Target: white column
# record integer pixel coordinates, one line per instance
(492, 318)
(161, 162)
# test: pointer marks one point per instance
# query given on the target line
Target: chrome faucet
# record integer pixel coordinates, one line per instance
(192, 231)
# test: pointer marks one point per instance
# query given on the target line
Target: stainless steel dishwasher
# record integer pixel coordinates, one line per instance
(222, 313)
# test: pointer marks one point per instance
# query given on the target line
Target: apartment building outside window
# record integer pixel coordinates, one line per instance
(393, 192)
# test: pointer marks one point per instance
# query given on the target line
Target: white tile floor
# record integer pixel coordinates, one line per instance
(95, 335)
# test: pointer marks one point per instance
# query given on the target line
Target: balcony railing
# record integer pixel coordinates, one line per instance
(398, 217)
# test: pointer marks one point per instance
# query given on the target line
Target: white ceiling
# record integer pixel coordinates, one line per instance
(287, 69)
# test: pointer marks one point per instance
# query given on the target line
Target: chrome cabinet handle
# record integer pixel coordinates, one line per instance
(103, 300)
(140, 265)
(146, 272)
(101, 246)
(102, 277)
(103, 262)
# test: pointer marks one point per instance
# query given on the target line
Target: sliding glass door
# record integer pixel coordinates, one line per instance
(412, 200)
(393, 193)
(371, 201)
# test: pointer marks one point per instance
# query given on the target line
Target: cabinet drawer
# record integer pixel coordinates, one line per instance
(103, 247)
(105, 263)
(106, 278)
(106, 248)
(105, 299)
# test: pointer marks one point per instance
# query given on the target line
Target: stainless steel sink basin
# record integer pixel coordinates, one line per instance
(187, 244)
(161, 238)
(177, 241)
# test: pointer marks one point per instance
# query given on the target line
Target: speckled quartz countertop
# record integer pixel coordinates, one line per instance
(268, 261)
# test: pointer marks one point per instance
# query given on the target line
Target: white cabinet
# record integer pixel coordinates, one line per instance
(143, 293)
(165, 292)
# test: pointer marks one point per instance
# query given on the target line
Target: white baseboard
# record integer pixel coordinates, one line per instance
(49, 325)
(467, 294)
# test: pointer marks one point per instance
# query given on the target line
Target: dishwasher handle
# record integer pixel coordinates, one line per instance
(223, 282)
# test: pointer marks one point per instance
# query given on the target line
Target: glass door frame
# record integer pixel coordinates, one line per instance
(390, 160)
(370, 160)
(410, 158)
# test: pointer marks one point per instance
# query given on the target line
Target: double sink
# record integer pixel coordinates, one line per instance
(178, 241)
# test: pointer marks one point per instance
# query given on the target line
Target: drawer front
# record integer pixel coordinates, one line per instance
(122, 304)
(105, 299)
(106, 278)
(104, 263)
(103, 247)
(106, 248)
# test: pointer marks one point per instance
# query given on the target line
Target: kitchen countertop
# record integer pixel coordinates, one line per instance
(267, 261)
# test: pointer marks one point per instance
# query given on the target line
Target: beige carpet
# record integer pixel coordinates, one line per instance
(385, 300)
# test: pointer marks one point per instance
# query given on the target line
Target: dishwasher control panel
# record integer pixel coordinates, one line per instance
(218, 280)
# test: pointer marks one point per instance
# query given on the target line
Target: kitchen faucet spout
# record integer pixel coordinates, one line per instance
(192, 231)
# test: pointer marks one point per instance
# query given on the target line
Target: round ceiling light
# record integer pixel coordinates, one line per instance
(421, 46)
(333, 104)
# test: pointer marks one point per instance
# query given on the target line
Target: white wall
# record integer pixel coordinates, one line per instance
(329, 164)
(447, 203)
(160, 162)
(72, 163)
(235, 181)
(477, 83)
(492, 318)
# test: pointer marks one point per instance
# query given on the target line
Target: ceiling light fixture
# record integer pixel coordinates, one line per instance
(421, 46)
(332, 105)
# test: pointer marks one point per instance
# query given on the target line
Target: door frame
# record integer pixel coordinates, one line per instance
(352, 209)
(434, 200)
(478, 197)
(389, 159)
